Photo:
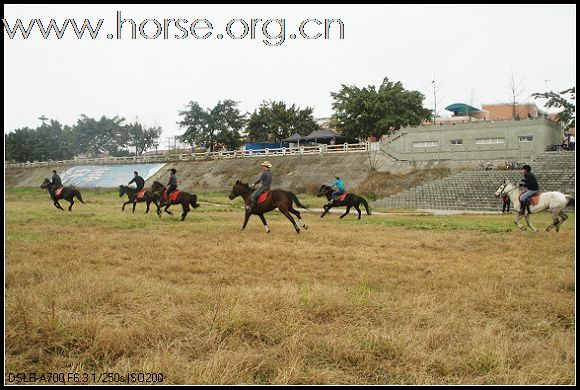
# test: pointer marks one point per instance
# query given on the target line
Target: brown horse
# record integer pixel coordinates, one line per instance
(349, 201)
(275, 199)
(185, 199)
(149, 196)
(67, 193)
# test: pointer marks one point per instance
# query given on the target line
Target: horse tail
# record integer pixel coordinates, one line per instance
(193, 201)
(571, 201)
(294, 198)
(364, 202)
(78, 196)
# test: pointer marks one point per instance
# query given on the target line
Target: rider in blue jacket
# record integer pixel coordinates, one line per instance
(339, 188)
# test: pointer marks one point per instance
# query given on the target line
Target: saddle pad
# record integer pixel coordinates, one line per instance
(58, 191)
(341, 197)
(262, 197)
(141, 194)
(535, 199)
(173, 196)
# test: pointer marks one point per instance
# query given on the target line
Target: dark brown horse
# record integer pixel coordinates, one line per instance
(148, 196)
(275, 199)
(185, 199)
(67, 193)
(349, 201)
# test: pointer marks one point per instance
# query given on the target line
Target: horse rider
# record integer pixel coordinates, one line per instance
(56, 182)
(531, 183)
(172, 184)
(266, 179)
(339, 188)
(137, 182)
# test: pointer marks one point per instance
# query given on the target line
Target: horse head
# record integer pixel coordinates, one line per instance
(157, 186)
(504, 188)
(122, 190)
(238, 189)
(324, 189)
(45, 183)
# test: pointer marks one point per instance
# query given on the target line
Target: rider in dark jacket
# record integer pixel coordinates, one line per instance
(56, 181)
(172, 184)
(139, 182)
(531, 183)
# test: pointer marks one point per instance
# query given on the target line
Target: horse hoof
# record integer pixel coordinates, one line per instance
(305, 227)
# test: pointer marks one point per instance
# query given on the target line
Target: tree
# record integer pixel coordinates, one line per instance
(274, 121)
(516, 89)
(46, 142)
(94, 137)
(219, 126)
(361, 113)
(567, 116)
(142, 138)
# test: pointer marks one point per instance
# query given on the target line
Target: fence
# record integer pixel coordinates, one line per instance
(278, 152)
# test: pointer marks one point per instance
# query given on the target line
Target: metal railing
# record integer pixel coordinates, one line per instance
(204, 156)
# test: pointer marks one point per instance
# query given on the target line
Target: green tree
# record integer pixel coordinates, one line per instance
(218, 127)
(274, 121)
(363, 112)
(46, 142)
(565, 100)
(141, 138)
(94, 137)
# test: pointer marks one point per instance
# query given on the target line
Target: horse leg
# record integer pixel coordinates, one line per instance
(57, 205)
(517, 223)
(563, 218)
(287, 215)
(158, 208)
(124, 204)
(326, 209)
(134, 204)
(167, 211)
(357, 209)
(246, 218)
(530, 223)
(264, 222)
(297, 213)
(71, 201)
(185, 207)
(346, 212)
(148, 204)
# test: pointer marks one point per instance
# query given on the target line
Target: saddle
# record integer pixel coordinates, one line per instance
(141, 194)
(58, 191)
(534, 200)
(341, 197)
(263, 196)
(172, 197)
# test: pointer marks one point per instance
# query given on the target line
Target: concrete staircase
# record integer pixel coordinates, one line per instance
(475, 190)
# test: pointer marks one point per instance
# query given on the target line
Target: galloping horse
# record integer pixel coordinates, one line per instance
(553, 202)
(148, 196)
(274, 198)
(181, 197)
(66, 193)
(349, 200)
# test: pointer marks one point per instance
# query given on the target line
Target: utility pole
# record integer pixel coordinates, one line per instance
(42, 118)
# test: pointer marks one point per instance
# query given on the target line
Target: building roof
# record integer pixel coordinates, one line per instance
(322, 134)
(462, 109)
(293, 137)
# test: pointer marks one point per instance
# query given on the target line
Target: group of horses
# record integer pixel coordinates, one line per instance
(553, 202)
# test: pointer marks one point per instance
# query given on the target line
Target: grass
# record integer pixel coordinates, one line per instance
(397, 299)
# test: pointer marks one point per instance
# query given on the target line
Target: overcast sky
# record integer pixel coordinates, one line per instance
(471, 49)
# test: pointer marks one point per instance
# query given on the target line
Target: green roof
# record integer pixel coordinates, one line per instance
(462, 109)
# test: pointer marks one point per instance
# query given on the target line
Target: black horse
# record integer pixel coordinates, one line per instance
(185, 199)
(67, 193)
(148, 196)
(276, 198)
(350, 200)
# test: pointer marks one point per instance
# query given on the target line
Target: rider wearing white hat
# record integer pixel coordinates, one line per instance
(266, 179)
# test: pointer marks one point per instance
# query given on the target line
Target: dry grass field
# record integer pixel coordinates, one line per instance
(396, 299)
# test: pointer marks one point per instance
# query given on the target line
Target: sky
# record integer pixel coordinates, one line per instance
(469, 50)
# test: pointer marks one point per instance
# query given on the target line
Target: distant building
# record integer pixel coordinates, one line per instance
(505, 111)
(478, 140)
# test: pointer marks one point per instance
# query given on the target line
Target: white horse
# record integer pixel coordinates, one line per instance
(554, 202)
